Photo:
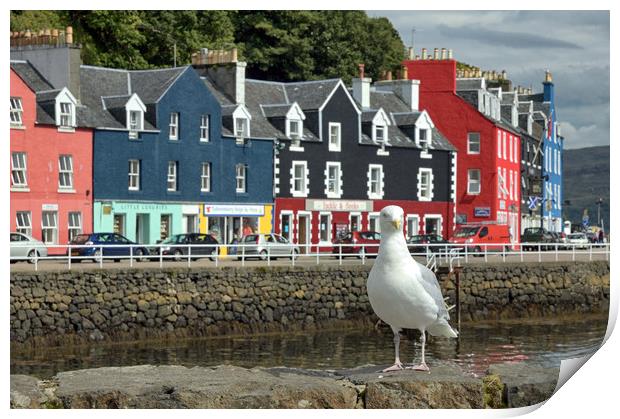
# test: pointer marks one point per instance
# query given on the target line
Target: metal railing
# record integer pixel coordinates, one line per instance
(216, 255)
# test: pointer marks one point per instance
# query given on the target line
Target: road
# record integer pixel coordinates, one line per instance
(62, 265)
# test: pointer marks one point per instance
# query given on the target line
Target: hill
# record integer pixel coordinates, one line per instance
(586, 179)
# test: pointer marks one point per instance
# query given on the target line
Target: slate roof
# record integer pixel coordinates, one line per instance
(30, 76)
(310, 94)
(276, 111)
(470, 96)
(469, 84)
(524, 107)
(105, 90)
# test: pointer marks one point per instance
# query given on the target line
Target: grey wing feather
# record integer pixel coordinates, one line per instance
(431, 286)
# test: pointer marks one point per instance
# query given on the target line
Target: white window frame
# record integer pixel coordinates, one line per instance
(74, 228)
(425, 191)
(425, 142)
(205, 120)
(410, 217)
(205, 177)
(470, 142)
(337, 144)
(499, 144)
(291, 133)
(19, 171)
(65, 116)
(434, 217)
(137, 125)
(173, 126)
(375, 168)
(241, 172)
(17, 112)
(504, 154)
(337, 193)
(245, 128)
(470, 184)
(65, 172)
(374, 216)
(511, 147)
(134, 174)
(359, 218)
(23, 222)
(328, 228)
(384, 139)
(52, 227)
(171, 178)
(303, 192)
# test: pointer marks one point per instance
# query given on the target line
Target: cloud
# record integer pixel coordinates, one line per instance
(583, 136)
(521, 40)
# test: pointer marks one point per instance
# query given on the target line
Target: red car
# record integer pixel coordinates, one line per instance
(358, 243)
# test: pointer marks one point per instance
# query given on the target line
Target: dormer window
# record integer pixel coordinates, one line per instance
(294, 129)
(424, 138)
(381, 135)
(66, 114)
(241, 128)
(135, 123)
(135, 110)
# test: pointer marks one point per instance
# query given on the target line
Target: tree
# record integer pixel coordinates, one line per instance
(36, 20)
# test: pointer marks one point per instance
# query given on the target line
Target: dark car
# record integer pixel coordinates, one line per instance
(358, 243)
(417, 244)
(534, 235)
(179, 247)
(109, 245)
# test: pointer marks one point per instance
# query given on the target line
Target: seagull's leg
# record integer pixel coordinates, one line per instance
(422, 366)
(397, 364)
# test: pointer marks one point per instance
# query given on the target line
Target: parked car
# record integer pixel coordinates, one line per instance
(559, 238)
(533, 235)
(26, 248)
(416, 244)
(578, 240)
(476, 238)
(178, 246)
(265, 245)
(358, 243)
(108, 245)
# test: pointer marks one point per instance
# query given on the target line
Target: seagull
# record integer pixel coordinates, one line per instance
(403, 293)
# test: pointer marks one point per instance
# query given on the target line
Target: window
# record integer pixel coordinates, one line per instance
(473, 181)
(504, 145)
(16, 111)
(516, 144)
(204, 128)
(424, 138)
(49, 225)
(510, 185)
(173, 130)
(473, 143)
(172, 175)
(325, 224)
(65, 172)
(205, 178)
(373, 222)
(24, 222)
(75, 224)
(135, 123)
(18, 170)
(333, 175)
(413, 225)
(375, 181)
(241, 128)
(240, 173)
(425, 184)
(511, 148)
(134, 175)
(499, 144)
(299, 179)
(294, 128)
(334, 136)
(66, 114)
(381, 135)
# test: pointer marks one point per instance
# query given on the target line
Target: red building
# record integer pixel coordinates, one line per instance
(488, 168)
(51, 160)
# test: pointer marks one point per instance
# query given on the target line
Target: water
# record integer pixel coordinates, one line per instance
(544, 342)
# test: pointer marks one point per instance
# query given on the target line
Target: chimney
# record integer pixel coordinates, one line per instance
(361, 88)
(449, 54)
(388, 75)
(404, 73)
(69, 35)
(223, 69)
(407, 90)
(443, 54)
(548, 78)
(436, 54)
(504, 74)
(410, 53)
(424, 53)
(417, 57)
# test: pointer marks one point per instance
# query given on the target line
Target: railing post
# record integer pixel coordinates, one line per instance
(131, 255)
(268, 256)
(457, 275)
(339, 253)
(293, 257)
(36, 260)
(556, 252)
(466, 254)
(217, 254)
(317, 254)
(364, 254)
(486, 252)
(189, 255)
(69, 259)
(539, 253)
(504, 254)
(521, 251)
(161, 257)
(574, 246)
(590, 252)
(101, 257)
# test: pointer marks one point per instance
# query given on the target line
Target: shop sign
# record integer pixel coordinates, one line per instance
(141, 207)
(234, 210)
(49, 207)
(482, 212)
(337, 205)
(190, 209)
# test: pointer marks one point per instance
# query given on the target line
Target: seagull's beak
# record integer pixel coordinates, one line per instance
(396, 224)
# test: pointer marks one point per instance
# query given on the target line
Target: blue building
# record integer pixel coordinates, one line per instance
(545, 114)
(160, 159)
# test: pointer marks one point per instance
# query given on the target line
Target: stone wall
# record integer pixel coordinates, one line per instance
(58, 307)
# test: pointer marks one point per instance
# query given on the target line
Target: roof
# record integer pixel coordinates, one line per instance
(35, 81)
(310, 95)
(469, 84)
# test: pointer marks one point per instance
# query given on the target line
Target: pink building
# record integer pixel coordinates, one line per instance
(51, 160)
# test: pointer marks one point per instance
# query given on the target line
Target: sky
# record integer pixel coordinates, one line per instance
(573, 45)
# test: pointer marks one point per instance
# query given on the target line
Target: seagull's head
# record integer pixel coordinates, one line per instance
(391, 219)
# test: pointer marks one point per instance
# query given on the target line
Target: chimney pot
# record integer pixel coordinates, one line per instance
(410, 54)
(361, 70)
(504, 74)
(405, 73)
(436, 53)
(449, 54)
(443, 54)
(424, 53)
(548, 77)
(69, 36)
(388, 76)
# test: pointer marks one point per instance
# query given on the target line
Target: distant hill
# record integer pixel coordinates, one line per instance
(586, 179)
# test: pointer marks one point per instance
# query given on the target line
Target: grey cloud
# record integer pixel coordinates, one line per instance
(521, 40)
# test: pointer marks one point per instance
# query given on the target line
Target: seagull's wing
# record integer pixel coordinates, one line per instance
(431, 286)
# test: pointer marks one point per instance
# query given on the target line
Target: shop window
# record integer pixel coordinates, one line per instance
(325, 227)
(75, 224)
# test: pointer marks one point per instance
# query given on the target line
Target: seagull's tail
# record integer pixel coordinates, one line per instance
(442, 328)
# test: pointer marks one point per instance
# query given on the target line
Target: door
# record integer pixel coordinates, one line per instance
(285, 227)
(303, 233)
(432, 225)
(355, 222)
(165, 226)
(190, 223)
(142, 228)
(119, 224)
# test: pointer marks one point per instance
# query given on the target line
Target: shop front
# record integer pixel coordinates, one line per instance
(228, 223)
(145, 222)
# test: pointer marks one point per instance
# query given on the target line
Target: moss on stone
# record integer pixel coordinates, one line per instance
(493, 392)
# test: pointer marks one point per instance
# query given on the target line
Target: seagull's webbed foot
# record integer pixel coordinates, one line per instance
(396, 367)
(421, 367)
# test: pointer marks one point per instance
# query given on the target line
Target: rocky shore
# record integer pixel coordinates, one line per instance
(225, 386)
